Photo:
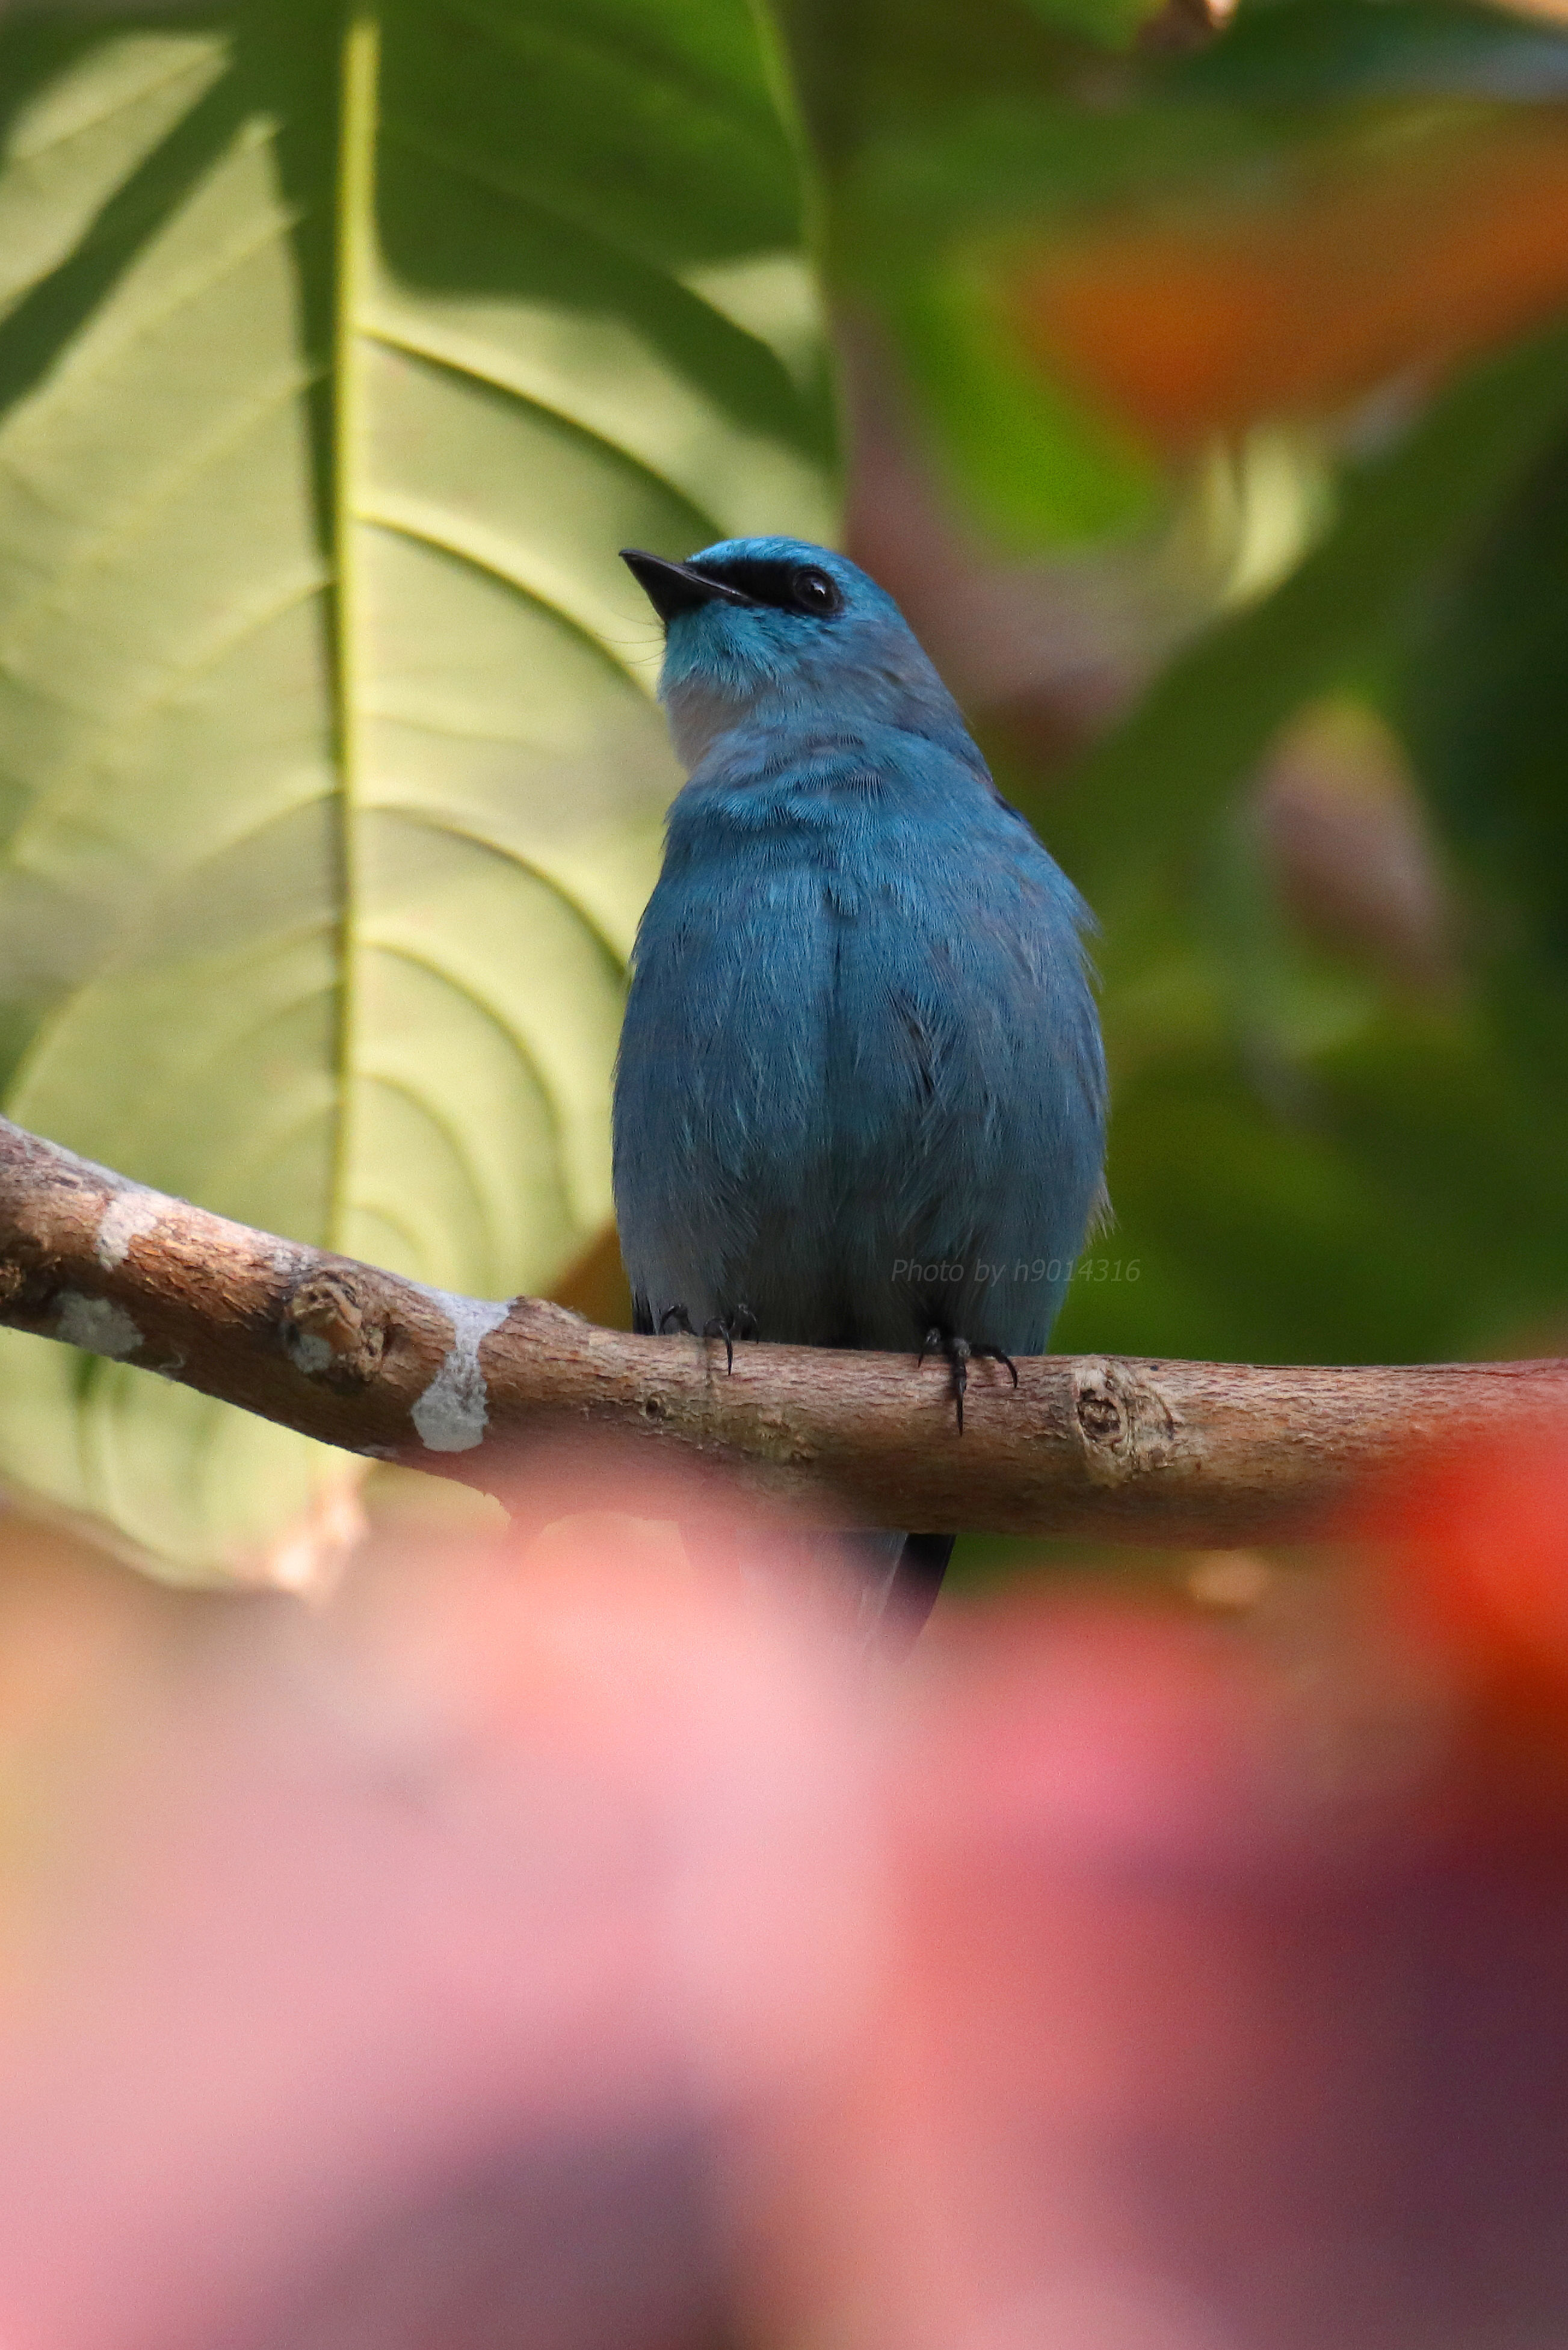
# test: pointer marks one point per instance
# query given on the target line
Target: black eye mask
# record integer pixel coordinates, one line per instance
(786, 587)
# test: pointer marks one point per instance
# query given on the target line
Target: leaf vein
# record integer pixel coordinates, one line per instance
(465, 551)
(452, 828)
(401, 337)
(515, 1040)
(135, 520)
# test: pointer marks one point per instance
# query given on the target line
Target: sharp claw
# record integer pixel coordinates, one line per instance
(740, 1323)
(958, 1356)
(960, 1353)
(679, 1316)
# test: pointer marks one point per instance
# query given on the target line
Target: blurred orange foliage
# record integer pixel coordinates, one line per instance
(1299, 299)
(1476, 1552)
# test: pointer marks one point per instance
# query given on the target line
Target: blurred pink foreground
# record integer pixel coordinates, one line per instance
(549, 1945)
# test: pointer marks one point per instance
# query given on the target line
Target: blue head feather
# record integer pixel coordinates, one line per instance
(787, 651)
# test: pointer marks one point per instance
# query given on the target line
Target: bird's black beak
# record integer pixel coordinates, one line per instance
(672, 587)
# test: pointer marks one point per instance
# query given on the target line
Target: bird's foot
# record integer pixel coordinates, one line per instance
(960, 1353)
(740, 1323)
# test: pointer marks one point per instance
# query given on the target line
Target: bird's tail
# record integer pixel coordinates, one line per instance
(895, 1577)
(898, 1576)
(916, 1579)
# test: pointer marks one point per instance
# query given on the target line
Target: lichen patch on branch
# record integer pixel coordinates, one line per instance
(132, 1214)
(95, 1323)
(453, 1412)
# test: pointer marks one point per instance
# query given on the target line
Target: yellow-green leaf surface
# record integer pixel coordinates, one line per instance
(339, 351)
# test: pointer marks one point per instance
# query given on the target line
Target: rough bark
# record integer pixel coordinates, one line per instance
(1122, 1448)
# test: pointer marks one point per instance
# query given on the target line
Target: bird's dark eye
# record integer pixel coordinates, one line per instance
(815, 592)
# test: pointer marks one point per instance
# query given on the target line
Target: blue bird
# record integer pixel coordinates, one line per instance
(860, 1098)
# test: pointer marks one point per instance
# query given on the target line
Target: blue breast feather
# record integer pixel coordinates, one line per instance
(861, 1088)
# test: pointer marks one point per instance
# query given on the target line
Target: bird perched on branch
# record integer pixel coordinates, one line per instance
(860, 1096)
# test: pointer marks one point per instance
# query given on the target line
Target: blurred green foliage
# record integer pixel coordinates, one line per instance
(1316, 1152)
(1485, 701)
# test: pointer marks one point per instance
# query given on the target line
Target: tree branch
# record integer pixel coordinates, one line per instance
(1116, 1447)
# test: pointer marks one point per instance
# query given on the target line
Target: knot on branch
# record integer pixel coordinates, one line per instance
(335, 1325)
(29, 1277)
(1128, 1423)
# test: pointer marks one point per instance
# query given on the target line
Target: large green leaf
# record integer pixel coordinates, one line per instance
(339, 350)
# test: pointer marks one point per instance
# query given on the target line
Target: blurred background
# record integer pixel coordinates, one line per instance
(1203, 398)
(542, 1945)
(477, 1936)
